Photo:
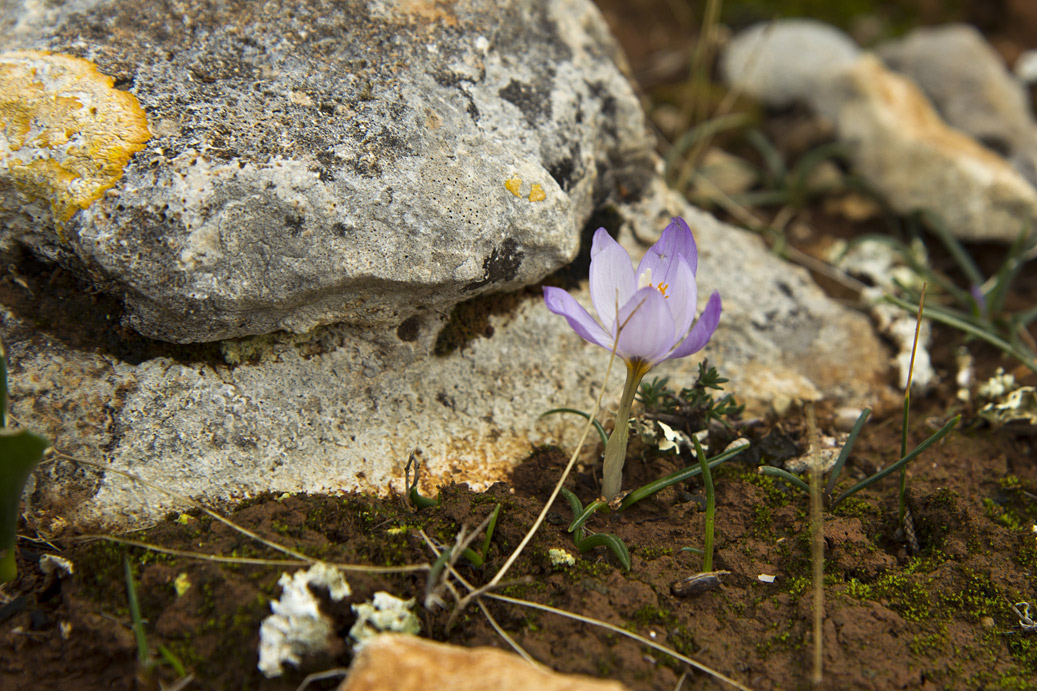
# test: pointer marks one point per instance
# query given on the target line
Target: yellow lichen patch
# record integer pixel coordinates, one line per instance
(513, 184)
(537, 194)
(65, 133)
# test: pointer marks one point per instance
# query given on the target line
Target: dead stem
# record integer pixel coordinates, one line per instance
(817, 544)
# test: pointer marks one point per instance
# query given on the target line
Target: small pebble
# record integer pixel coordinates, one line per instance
(697, 584)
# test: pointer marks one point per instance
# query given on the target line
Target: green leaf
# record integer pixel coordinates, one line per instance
(935, 437)
(584, 516)
(845, 453)
(608, 540)
(784, 475)
(585, 416)
(673, 478)
(20, 451)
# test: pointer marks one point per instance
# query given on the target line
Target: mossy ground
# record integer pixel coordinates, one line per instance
(941, 616)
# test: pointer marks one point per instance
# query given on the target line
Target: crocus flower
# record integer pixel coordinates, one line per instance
(647, 316)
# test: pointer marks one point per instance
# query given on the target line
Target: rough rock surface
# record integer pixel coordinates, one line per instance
(971, 87)
(899, 143)
(779, 63)
(341, 408)
(315, 162)
(407, 663)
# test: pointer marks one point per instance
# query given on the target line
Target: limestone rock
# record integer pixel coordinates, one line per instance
(353, 161)
(779, 63)
(407, 663)
(342, 408)
(899, 143)
(970, 86)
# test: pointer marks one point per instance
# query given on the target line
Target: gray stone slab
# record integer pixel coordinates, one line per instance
(316, 162)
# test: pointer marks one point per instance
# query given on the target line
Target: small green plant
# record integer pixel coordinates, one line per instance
(586, 542)
(20, 451)
(794, 186)
(694, 406)
(833, 475)
(691, 409)
(145, 662)
(477, 559)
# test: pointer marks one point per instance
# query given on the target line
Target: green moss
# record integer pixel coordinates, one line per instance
(929, 644)
(1002, 515)
(653, 553)
(856, 507)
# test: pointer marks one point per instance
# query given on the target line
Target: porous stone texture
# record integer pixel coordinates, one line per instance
(899, 143)
(779, 63)
(408, 663)
(971, 87)
(342, 408)
(317, 162)
(895, 138)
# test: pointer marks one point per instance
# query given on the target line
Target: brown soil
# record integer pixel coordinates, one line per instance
(940, 617)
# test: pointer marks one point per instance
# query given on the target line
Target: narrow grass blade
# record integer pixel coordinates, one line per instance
(955, 249)
(784, 475)
(597, 425)
(143, 657)
(679, 476)
(937, 436)
(1007, 273)
(711, 506)
(585, 515)
(833, 475)
(3, 385)
(938, 315)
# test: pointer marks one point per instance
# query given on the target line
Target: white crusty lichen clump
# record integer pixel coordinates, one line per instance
(384, 613)
(560, 558)
(297, 627)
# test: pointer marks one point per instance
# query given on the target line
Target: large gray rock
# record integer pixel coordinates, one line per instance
(780, 62)
(971, 87)
(270, 126)
(318, 162)
(340, 409)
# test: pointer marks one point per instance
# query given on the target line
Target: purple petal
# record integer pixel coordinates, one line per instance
(560, 302)
(600, 241)
(702, 331)
(645, 327)
(611, 277)
(661, 258)
(682, 295)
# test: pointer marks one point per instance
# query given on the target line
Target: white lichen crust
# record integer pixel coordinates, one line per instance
(297, 627)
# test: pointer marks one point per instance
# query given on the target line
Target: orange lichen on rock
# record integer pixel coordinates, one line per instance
(66, 133)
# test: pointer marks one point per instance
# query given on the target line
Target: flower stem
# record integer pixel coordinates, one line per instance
(616, 448)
